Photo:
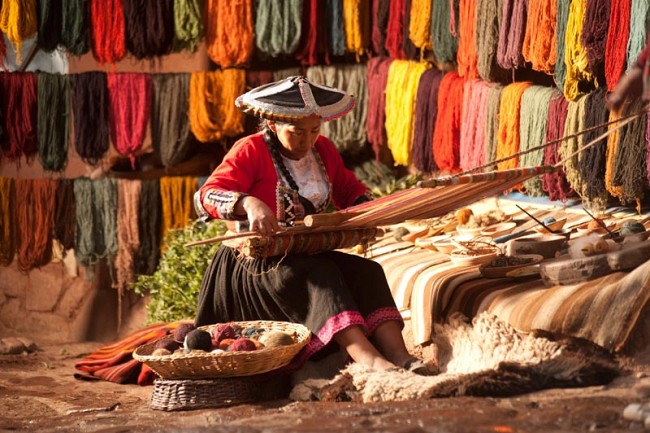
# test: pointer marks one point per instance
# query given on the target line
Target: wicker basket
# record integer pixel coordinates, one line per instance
(197, 365)
(186, 394)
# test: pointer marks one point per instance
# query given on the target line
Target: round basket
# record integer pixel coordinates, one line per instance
(227, 364)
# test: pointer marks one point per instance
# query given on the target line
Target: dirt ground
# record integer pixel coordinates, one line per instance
(39, 393)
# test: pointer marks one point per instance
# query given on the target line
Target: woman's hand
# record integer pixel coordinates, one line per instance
(261, 218)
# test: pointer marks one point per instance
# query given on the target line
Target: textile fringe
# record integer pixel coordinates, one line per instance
(130, 103)
(401, 89)
(19, 21)
(617, 38)
(108, 33)
(213, 114)
(53, 120)
(278, 26)
(149, 27)
(170, 127)
(34, 218)
(7, 221)
(91, 108)
(446, 134)
(540, 44)
(345, 132)
(75, 32)
(230, 32)
(188, 25)
(177, 198)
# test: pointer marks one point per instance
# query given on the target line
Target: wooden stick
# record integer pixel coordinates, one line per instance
(328, 219)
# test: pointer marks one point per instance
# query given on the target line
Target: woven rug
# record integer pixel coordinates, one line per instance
(486, 358)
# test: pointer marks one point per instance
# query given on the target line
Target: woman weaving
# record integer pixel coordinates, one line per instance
(271, 179)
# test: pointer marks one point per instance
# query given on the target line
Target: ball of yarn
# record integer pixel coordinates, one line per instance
(276, 338)
(242, 344)
(225, 343)
(167, 344)
(463, 215)
(548, 220)
(631, 227)
(182, 330)
(161, 352)
(221, 331)
(197, 339)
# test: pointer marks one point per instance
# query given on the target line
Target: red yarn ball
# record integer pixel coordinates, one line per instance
(242, 344)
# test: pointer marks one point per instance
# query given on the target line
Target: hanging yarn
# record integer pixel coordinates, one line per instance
(533, 118)
(555, 183)
(573, 124)
(53, 120)
(647, 143)
(540, 45)
(492, 123)
(170, 126)
(575, 56)
(278, 26)
(213, 114)
(148, 254)
(613, 141)
(356, 14)
(594, 33)
(352, 79)
(560, 29)
(188, 24)
(281, 74)
(65, 214)
(336, 27)
(3, 49)
(592, 160)
(618, 34)
(230, 32)
(96, 216)
(446, 135)
(467, 57)
(472, 138)
(50, 18)
(7, 221)
(488, 19)
(177, 198)
(409, 48)
(401, 89)
(637, 38)
(19, 112)
(380, 15)
(445, 42)
(90, 108)
(394, 32)
(34, 219)
(511, 34)
(313, 45)
(18, 21)
(629, 162)
(130, 102)
(128, 197)
(426, 111)
(148, 27)
(508, 140)
(108, 38)
(420, 25)
(378, 68)
(75, 33)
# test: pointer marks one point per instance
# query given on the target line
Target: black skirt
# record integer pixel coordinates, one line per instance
(327, 292)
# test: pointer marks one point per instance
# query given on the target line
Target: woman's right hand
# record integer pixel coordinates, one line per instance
(261, 218)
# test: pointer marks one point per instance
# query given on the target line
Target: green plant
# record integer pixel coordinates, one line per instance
(174, 288)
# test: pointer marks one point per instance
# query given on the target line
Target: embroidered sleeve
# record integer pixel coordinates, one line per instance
(218, 204)
(363, 198)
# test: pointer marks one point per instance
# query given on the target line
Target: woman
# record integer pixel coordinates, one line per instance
(272, 179)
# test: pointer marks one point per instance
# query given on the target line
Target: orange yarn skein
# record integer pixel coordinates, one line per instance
(508, 135)
(230, 32)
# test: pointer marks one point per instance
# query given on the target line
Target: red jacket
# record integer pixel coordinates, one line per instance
(247, 169)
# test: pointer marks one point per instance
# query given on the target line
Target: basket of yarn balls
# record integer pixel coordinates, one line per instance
(224, 349)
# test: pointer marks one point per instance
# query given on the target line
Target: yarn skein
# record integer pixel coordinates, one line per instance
(472, 139)
(592, 160)
(278, 26)
(64, 214)
(356, 16)
(336, 27)
(426, 112)
(345, 132)
(149, 210)
(188, 25)
(149, 27)
(394, 31)
(176, 198)
(575, 56)
(75, 31)
(637, 37)
(128, 195)
(53, 120)
(90, 108)
(488, 24)
(34, 219)
(107, 35)
(420, 25)
(445, 42)
(401, 89)
(19, 112)
(130, 103)
(7, 221)
(230, 32)
(573, 124)
(613, 141)
(378, 68)
(594, 33)
(19, 21)
(492, 123)
(408, 47)
(313, 45)
(511, 34)
(170, 126)
(508, 139)
(467, 58)
(561, 30)
(446, 135)
(555, 183)
(540, 44)
(380, 16)
(50, 18)
(617, 38)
